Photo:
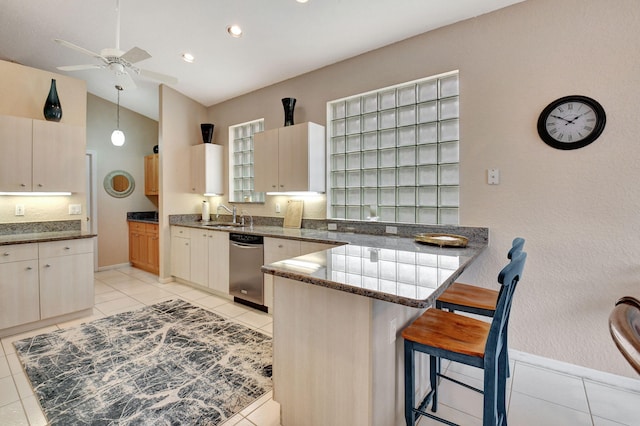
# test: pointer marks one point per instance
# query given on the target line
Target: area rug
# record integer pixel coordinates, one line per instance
(167, 364)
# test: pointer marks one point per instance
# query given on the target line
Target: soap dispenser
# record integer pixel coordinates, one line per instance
(206, 216)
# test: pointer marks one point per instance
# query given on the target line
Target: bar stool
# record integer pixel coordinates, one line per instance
(466, 340)
(624, 325)
(471, 298)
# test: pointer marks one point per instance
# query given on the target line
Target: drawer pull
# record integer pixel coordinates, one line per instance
(67, 248)
(280, 246)
(29, 268)
(6, 253)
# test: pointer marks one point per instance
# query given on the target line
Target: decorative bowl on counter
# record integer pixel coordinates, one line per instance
(442, 240)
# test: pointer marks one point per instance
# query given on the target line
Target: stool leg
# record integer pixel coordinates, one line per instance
(434, 369)
(503, 371)
(489, 412)
(409, 386)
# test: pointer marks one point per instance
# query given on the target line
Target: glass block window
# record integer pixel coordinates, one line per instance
(241, 162)
(394, 153)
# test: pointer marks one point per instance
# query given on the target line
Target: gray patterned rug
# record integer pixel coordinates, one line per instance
(167, 364)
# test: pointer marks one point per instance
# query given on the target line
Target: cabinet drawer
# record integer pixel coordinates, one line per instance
(18, 252)
(66, 247)
(137, 226)
(151, 228)
(276, 249)
(180, 231)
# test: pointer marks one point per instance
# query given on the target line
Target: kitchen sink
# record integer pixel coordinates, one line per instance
(223, 225)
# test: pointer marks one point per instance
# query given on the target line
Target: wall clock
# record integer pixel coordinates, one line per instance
(571, 122)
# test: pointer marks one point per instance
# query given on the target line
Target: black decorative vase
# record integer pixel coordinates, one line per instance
(52, 108)
(289, 104)
(155, 149)
(207, 132)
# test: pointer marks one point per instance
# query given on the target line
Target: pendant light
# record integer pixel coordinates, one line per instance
(117, 137)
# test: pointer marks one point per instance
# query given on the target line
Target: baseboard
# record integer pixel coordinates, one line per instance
(605, 378)
(110, 267)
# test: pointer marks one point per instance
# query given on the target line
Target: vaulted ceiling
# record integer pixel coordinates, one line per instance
(281, 39)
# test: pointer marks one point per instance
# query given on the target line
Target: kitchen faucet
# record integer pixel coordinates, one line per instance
(233, 212)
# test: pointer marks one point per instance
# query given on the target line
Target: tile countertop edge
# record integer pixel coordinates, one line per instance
(273, 269)
(43, 237)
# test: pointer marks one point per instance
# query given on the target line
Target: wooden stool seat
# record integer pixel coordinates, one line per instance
(459, 296)
(449, 331)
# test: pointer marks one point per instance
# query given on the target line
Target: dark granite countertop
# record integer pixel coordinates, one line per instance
(145, 217)
(386, 267)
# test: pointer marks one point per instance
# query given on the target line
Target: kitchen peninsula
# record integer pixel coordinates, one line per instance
(337, 314)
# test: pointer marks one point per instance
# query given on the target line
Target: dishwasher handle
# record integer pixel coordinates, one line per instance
(246, 246)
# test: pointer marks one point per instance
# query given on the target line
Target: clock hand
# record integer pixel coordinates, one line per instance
(561, 118)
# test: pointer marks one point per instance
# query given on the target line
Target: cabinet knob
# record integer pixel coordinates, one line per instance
(40, 185)
(5, 254)
(273, 186)
(29, 268)
(280, 245)
(281, 186)
(23, 185)
(47, 266)
(67, 248)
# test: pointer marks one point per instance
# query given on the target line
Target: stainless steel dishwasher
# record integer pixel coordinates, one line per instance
(246, 257)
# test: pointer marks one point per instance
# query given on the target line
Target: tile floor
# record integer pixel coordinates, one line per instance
(537, 395)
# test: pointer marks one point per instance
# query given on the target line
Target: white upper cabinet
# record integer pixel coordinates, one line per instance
(38, 155)
(290, 158)
(207, 169)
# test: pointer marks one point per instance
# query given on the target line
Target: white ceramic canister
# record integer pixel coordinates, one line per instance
(206, 216)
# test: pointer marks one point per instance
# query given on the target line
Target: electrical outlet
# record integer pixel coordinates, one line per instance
(277, 207)
(493, 176)
(19, 209)
(332, 226)
(75, 209)
(392, 229)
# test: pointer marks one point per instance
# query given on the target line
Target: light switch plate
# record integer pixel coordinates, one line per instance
(75, 209)
(493, 176)
(19, 209)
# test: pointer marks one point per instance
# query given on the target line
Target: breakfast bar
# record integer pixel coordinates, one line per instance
(337, 315)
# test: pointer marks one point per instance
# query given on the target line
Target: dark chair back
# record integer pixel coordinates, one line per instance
(624, 325)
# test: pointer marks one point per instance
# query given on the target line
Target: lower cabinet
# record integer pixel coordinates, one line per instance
(201, 256)
(144, 252)
(45, 280)
(66, 268)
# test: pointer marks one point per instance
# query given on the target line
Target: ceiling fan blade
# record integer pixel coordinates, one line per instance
(80, 49)
(134, 55)
(79, 67)
(167, 79)
(124, 79)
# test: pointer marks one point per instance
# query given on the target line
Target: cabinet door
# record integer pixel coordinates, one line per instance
(58, 157)
(151, 174)
(265, 161)
(20, 301)
(199, 257)
(293, 158)
(219, 261)
(15, 153)
(66, 284)
(153, 248)
(180, 257)
(198, 169)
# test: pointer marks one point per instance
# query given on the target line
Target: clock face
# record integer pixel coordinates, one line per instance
(571, 122)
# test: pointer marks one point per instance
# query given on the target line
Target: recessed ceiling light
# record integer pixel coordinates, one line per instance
(234, 31)
(188, 57)
(302, 1)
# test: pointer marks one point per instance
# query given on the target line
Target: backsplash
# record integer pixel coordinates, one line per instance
(37, 227)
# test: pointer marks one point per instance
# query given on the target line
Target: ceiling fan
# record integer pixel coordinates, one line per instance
(120, 63)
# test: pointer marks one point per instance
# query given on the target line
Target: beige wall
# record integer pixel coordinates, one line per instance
(23, 91)
(579, 210)
(180, 119)
(141, 135)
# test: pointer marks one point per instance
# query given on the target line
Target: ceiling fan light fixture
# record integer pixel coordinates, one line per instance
(188, 57)
(117, 136)
(234, 31)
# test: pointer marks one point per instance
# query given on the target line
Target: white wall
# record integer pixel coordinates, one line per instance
(141, 135)
(579, 210)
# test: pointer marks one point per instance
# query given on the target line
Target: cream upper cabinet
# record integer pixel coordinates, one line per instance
(16, 150)
(207, 169)
(38, 155)
(290, 158)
